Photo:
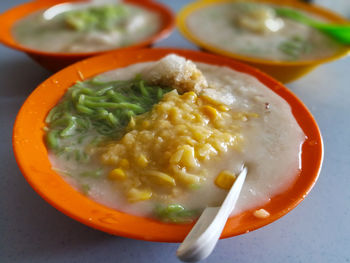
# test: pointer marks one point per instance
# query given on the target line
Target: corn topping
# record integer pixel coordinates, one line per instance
(142, 161)
(168, 148)
(117, 174)
(225, 180)
(136, 195)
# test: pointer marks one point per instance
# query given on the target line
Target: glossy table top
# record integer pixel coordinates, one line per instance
(318, 230)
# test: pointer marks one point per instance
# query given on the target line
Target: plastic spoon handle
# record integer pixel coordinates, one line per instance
(339, 32)
(201, 240)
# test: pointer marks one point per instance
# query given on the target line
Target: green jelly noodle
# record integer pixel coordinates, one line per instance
(103, 18)
(175, 213)
(101, 108)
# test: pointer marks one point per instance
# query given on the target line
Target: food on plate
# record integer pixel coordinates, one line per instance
(256, 30)
(165, 139)
(90, 29)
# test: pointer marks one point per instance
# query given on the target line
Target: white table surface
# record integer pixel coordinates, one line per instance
(318, 230)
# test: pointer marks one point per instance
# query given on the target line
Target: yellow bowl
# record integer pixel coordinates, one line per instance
(284, 71)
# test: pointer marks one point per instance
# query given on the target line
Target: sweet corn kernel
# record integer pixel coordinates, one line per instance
(174, 115)
(161, 178)
(225, 180)
(188, 179)
(211, 112)
(223, 108)
(210, 100)
(142, 161)
(188, 159)
(124, 163)
(117, 174)
(176, 157)
(132, 123)
(190, 96)
(136, 195)
(219, 124)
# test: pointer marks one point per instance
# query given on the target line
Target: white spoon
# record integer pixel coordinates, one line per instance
(55, 10)
(201, 240)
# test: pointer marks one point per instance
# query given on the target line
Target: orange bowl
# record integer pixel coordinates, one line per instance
(32, 156)
(55, 61)
(284, 71)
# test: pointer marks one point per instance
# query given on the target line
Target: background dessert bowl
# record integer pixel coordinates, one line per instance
(58, 60)
(284, 71)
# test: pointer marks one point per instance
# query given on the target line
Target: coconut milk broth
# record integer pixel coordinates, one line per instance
(271, 148)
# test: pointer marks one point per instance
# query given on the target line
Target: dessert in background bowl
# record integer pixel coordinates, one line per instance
(139, 140)
(258, 33)
(62, 39)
